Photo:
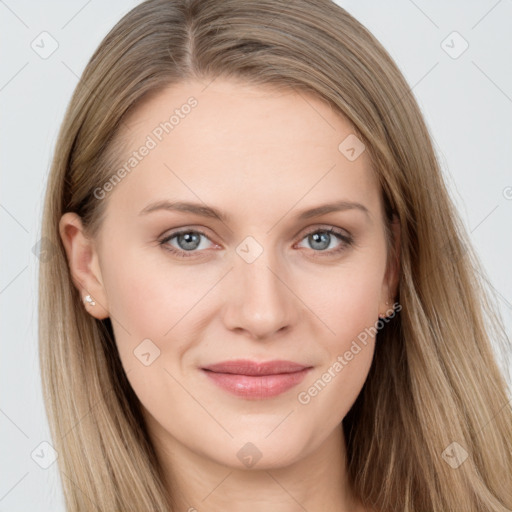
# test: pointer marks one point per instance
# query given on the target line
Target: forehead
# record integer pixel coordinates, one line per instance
(243, 147)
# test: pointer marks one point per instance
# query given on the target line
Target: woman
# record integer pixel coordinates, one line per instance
(262, 297)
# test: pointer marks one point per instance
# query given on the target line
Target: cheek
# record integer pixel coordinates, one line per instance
(346, 299)
(149, 302)
(148, 295)
(347, 302)
(348, 349)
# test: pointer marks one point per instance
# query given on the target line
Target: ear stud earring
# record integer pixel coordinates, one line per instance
(89, 300)
(383, 317)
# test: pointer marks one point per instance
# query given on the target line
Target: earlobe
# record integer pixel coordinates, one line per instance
(391, 279)
(83, 264)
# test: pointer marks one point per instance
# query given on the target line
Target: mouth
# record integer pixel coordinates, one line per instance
(257, 381)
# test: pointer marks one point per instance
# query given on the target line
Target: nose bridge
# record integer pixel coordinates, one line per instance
(261, 303)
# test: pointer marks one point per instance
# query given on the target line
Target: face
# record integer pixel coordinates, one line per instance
(243, 274)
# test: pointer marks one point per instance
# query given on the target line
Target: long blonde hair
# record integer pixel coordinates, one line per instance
(434, 380)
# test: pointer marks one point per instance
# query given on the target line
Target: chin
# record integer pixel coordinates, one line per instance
(258, 452)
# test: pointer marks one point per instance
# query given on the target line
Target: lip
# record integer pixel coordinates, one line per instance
(254, 380)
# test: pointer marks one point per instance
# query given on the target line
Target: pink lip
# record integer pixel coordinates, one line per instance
(252, 380)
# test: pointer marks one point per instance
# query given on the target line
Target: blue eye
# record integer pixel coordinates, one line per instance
(321, 239)
(189, 241)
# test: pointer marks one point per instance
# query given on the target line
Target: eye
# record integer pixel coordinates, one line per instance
(321, 239)
(187, 240)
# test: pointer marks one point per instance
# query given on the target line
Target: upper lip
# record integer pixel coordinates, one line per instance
(247, 367)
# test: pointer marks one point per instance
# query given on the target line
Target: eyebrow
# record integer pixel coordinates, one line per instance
(207, 211)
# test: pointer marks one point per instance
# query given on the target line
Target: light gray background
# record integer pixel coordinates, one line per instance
(467, 103)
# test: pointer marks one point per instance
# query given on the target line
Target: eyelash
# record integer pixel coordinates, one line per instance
(347, 241)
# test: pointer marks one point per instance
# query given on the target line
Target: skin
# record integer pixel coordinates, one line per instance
(278, 151)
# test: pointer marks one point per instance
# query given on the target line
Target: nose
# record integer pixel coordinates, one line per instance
(259, 301)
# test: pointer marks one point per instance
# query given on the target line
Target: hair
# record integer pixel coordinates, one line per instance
(434, 378)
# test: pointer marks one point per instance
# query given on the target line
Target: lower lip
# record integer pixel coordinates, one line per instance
(257, 387)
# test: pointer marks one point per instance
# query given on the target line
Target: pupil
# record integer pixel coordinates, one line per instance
(190, 243)
(317, 239)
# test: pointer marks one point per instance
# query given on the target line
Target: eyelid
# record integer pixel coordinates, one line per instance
(185, 229)
(323, 227)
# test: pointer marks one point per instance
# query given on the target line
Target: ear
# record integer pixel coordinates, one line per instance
(83, 264)
(391, 279)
